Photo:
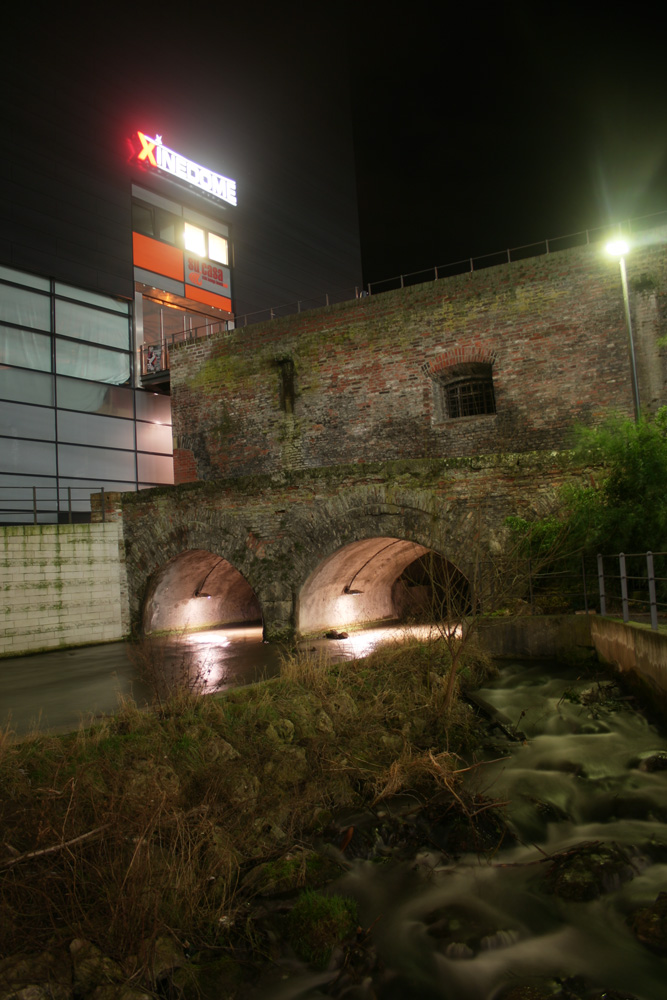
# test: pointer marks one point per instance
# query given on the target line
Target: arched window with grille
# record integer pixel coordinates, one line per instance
(468, 390)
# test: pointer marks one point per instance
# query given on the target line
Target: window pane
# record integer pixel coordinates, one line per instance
(25, 349)
(152, 313)
(96, 463)
(195, 239)
(26, 387)
(155, 437)
(18, 420)
(173, 320)
(94, 298)
(155, 468)
(25, 308)
(90, 324)
(90, 398)
(21, 278)
(142, 219)
(165, 226)
(154, 406)
(89, 429)
(28, 456)
(217, 248)
(93, 363)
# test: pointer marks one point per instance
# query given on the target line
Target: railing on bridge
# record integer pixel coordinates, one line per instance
(631, 584)
(159, 361)
(50, 504)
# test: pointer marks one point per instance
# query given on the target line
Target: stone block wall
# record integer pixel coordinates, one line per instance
(365, 378)
(62, 585)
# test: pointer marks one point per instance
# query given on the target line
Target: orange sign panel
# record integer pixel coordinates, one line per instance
(209, 298)
(157, 257)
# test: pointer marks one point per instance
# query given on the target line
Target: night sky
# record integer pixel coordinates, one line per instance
(483, 128)
(475, 127)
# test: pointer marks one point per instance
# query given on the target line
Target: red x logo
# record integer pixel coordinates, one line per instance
(147, 147)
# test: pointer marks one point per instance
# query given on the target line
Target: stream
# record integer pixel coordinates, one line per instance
(489, 926)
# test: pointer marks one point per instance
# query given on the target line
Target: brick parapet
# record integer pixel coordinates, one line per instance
(553, 328)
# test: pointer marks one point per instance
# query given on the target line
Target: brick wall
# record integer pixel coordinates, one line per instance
(367, 374)
(62, 585)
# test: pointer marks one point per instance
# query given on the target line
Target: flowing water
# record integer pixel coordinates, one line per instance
(473, 927)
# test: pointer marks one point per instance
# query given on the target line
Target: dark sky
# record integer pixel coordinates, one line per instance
(476, 127)
(482, 128)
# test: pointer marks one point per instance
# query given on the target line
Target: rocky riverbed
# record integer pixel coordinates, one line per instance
(339, 846)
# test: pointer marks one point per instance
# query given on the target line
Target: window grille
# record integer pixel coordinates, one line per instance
(467, 397)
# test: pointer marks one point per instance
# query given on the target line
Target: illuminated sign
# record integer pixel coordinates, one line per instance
(211, 277)
(154, 154)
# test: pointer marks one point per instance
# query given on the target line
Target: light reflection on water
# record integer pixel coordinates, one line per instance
(59, 689)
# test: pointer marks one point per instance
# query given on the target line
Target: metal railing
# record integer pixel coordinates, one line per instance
(159, 362)
(513, 254)
(50, 504)
(631, 584)
(634, 581)
(510, 255)
(154, 358)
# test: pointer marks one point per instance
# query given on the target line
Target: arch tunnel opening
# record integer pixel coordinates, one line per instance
(380, 579)
(197, 590)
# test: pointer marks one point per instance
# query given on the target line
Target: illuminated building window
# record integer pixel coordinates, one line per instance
(194, 239)
(218, 249)
(467, 391)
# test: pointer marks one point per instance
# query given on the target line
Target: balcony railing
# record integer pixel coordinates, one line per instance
(154, 356)
(50, 504)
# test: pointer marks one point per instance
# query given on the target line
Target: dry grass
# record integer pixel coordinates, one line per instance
(144, 825)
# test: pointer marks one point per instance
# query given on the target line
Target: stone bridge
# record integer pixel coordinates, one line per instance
(312, 549)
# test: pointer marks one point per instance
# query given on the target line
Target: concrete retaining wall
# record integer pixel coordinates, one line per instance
(62, 585)
(531, 637)
(635, 650)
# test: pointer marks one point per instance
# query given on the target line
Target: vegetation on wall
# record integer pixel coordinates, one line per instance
(625, 508)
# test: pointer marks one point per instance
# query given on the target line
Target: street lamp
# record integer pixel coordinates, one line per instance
(619, 248)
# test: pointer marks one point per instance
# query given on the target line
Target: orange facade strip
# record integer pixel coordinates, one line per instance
(157, 257)
(210, 298)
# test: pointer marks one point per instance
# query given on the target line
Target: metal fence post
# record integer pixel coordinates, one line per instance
(530, 585)
(69, 504)
(651, 591)
(34, 505)
(624, 586)
(583, 577)
(603, 602)
(102, 500)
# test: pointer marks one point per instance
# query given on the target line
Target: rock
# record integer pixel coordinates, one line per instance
(163, 955)
(91, 967)
(29, 993)
(650, 924)
(288, 766)
(324, 724)
(589, 871)
(281, 731)
(335, 634)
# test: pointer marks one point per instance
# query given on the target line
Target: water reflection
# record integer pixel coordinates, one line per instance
(59, 689)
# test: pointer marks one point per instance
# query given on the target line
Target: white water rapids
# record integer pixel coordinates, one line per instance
(577, 777)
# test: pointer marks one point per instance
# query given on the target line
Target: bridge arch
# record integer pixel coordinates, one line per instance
(197, 589)
(376, 579)
(288, 541)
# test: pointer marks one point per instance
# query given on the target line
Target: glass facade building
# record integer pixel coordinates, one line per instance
(71, 420)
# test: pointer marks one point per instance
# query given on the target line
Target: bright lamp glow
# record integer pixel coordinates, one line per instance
(195, 240)
(617, 248)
